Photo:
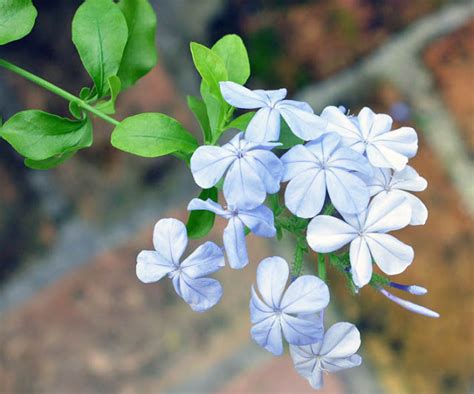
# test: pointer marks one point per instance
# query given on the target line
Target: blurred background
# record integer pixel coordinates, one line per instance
(74, 318)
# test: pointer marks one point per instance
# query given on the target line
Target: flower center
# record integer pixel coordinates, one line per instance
(240, 153)
(175, 273)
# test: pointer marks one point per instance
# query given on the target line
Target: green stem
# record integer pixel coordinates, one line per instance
(322, 267)
(56, 90)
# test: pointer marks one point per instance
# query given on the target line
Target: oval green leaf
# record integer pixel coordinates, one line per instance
(232, 50)
(17, 18)
(38, 135)
(100, 33)
(210, 66)
(140, 54)
(198, 107)
(153, 135)
(49, 163)
(201, 222)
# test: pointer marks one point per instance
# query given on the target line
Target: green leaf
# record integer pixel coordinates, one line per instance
(85, 93)
(17, 18)
(218, 111)
(49, 163)
(75, 110)
(140, 54)
(210, 66)
(39, 135)
(201, 222)
(100, 33)
(108, 107)
(153, 135)
(198, 107)
(287, 138)
(236, 59)
(241, 122)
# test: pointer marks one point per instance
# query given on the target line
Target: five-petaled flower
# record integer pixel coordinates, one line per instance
(278, 310)
(259, 220)
(265, 125)
(321, 165)
(333, 353)
(371, 134)
(170, 240)
(386, 181)
(366, 234)
(251, 170)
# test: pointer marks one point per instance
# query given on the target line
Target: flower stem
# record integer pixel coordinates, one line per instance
(322, 267)
(56, 90)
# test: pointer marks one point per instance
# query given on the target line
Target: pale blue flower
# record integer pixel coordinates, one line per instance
(325, 165)
(366, 233)
(408, 305)
(251, 170)
(259, 220)
(189, 277)
(265, 125)
(335, 352)
(370, 134)
(279, 310)
(387, 181)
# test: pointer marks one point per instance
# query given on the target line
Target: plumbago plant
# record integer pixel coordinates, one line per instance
(348, 181)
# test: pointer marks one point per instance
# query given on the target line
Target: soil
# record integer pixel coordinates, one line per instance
(451, 60)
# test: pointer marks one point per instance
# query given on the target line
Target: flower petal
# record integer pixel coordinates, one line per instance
(387, 212)
(170, 239)
(299, 331)
(408, 179)
(382, 124)
(209, 163)
(324, 146)
(419, 212)
(326, 234)
(258, 309)
(297, 161)
(381, 156)
(264, 126)
(339, 123)
(316, 379)
(241, 97)
(234, 243)
(272, 275)
(205, 260)
(272, 97)
(341, 340)
(338, 364)
(304, 125)
(196, 204)
(300, 105)
(305, 194)
(267, 334)
(361, 262)
(307, 294)
(151, 266)
(304, 359)
(348, 193)
(390, 254)
(380, 181)
(243, 187)
(393, 149)
(269, 167)
(260, 221)
(349, 160)
(201, 294)
(366, 119)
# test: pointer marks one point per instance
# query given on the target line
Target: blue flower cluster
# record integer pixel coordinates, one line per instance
(355, 165)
